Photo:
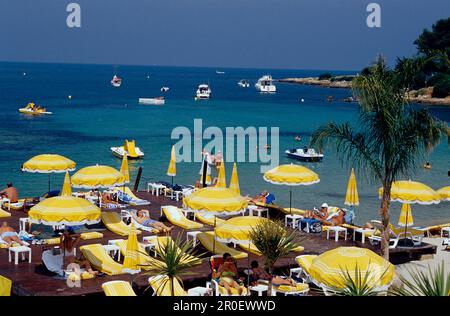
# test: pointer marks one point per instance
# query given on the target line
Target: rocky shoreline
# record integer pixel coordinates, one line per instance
(421, 97)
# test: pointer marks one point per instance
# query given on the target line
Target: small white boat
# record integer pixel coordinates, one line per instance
(304, 154)
(152, 101)
(129, 148)
(243, 83)
(265, 84)
(164, 89)
(116, 81)
(220, 72)
(203, 92)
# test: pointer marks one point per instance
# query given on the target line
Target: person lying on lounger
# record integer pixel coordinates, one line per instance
(260, 198)
(258, 273)
(336, 219)
(9, 235)
(68, 243)
(142, 218)
(321, 215)
(227, 274)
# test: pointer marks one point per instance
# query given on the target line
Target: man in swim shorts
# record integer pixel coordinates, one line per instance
(142, 218)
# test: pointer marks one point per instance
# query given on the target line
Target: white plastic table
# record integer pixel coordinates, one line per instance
(19, 250)
(113, 250)
(337, 230)
(199, 291)
(155, 188)
(258, 210)
(261, 288)
(293, 218)
(363, 233)
(193, 235)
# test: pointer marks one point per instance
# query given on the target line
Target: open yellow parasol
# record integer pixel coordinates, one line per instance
(96, 177)
(218, 201)
(412, 192)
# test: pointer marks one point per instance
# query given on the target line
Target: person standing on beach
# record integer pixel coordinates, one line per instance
(10, 193)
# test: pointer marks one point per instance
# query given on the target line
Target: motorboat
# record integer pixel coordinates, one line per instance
(116, 81)
(33, 109)
(203, 92)
(243, 83)
(220, 72)
(152, 101)
(304, 154)
(265, 84)
(164, 89)
(129, 148)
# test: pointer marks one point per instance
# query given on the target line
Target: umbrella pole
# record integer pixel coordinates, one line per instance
(406, 225)
(205, 167)
(290, 199)
(214, 239)
(49, 182)
(248, 267)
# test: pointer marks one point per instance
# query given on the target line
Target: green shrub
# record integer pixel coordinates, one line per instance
(442, 87)
(325, 76)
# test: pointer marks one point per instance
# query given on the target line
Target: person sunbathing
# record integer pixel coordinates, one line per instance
(10, 193)
(260, 198)
(68, 243)
(227, 273)
(9, 235)
(321, 215)
(142, 218)
(336, 219)
(258, 273)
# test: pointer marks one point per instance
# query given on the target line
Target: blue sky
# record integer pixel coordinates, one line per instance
(305, 34)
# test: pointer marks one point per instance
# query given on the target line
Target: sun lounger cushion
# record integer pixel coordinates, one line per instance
(5, 286)
(53, 241)
(4, 213)
(114, 223)
(127, 196)
(300, 287)
(100, 259)
(305, 261)
(161, 285)
(176, 217)
(91, 235)
(209, 219)
(145, 262)
(118, 288)
(218, 248)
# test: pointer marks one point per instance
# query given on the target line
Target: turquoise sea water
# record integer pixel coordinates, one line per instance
(99, 116)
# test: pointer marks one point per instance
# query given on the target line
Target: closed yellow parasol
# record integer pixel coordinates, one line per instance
(234, 182)
(124, 170)
(221, 179)
(406, 218)
(351, 197)
(131, 260)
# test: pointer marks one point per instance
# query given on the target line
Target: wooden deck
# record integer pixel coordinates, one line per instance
(31, 279)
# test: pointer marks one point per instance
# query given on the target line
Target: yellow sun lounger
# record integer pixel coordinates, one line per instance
(145, 262)
(118, 288)
(252, 248)
(218, 248)
(162, 286)
(305, 262)
(162, 242)
(4, 214)
(5, 286)
(114, 223)
(100, 259)
(176, 217)
(209, 219)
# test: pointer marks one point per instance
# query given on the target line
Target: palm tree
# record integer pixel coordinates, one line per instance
(273, 241)
(176, 257)
(431, 283)
(390, 139)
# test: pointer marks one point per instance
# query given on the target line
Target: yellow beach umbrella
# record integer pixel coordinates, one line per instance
(328, 268)
(291, 175)
(221, 179)
(131, 260)
(48, 163)
(96, 177)
(412, 192)
(218, 201)
(234, 182)
(65, 209)
(172, 169)
(406, 218)
(444, 193)
(124, 170)
(237, 229)
(351, 197)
